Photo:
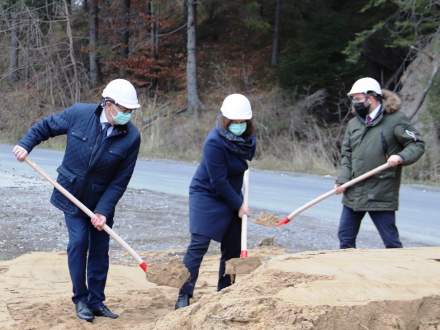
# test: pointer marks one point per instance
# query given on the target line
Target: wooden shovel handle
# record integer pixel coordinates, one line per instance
(245, 217)
(87, 211)
(333, 191)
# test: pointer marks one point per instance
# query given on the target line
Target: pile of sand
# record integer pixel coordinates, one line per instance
(355, 289)
(352, 289)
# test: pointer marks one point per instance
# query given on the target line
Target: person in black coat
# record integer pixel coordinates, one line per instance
(215, 198)
(101, 153)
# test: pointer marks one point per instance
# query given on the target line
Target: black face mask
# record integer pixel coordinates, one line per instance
(361, 109)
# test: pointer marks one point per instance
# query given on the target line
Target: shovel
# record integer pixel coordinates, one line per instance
(142, 264)
(244, 264)
(272, 220)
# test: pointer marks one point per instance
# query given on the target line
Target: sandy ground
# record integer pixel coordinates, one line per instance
(356, 289)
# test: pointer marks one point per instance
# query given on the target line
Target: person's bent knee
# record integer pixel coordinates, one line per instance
(78, 244)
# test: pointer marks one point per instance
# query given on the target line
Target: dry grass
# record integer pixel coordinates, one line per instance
(289, 138)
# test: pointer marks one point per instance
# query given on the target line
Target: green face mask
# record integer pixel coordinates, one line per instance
(121, 118)
(237, 128)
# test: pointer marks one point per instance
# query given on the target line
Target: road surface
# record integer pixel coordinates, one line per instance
(418, 217)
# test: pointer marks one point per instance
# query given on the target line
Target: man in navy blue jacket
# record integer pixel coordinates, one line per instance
(101, 153)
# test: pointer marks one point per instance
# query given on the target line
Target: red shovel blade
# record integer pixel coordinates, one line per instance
(244, 254)
(283, 221)
(143, 265)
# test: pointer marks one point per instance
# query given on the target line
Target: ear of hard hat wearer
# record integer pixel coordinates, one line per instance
(122, 92)
(365, 85)
(236, 107)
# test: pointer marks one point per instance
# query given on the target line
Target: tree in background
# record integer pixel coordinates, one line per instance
(92, 7)
(125, 38)
(193, 100)
(275, 39)
(13, 46)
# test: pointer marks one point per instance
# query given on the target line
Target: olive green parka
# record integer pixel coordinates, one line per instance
(368, 146)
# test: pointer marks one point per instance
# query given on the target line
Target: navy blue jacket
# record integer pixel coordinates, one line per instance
(99, 179)
(215, 190)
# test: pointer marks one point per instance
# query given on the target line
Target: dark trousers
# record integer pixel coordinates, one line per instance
(83, 238)
(230, 248)
(385, 222)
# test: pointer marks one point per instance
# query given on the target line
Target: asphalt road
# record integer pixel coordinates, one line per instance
(418, 217)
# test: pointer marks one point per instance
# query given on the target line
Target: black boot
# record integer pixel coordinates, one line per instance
(83, 312)
(104, 311)
(182, 301)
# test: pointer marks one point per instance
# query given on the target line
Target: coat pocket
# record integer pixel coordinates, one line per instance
(68, 181)
(79, 135)
(383, 188)
(118, 153)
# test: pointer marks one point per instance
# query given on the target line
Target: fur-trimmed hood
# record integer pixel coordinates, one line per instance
(391, 101)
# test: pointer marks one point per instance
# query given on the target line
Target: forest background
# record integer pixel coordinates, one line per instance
(294, 59)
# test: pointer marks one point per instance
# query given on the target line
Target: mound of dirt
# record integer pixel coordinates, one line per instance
(353, 289)
(350, 289)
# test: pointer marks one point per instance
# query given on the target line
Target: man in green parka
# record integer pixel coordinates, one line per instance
(378, 133)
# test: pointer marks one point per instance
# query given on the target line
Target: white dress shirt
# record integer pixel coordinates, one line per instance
(103, 120)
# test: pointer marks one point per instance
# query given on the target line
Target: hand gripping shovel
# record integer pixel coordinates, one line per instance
(244, 264)
(83, 208)
(271, 220)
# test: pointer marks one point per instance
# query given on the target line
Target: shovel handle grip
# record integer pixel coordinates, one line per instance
(87, 211)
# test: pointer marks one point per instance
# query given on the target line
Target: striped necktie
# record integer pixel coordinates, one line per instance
(369, 120)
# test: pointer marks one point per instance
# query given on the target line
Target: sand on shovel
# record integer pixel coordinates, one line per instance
(267, 219)
(242, 265)
(172, 273)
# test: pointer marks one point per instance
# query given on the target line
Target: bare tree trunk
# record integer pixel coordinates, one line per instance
(69, 6)
(275, 40)
(154, 28)
(13, 50)
(126, 28)
(93, 39)
(76, 95)
(156, 31)
(193, 100)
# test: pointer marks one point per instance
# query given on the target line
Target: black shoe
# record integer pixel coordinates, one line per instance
(104, 311)
(182, 301)
(83, 311)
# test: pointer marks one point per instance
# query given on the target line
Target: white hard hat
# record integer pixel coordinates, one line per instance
(365, 85)
(236, 107)
(122, 92)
